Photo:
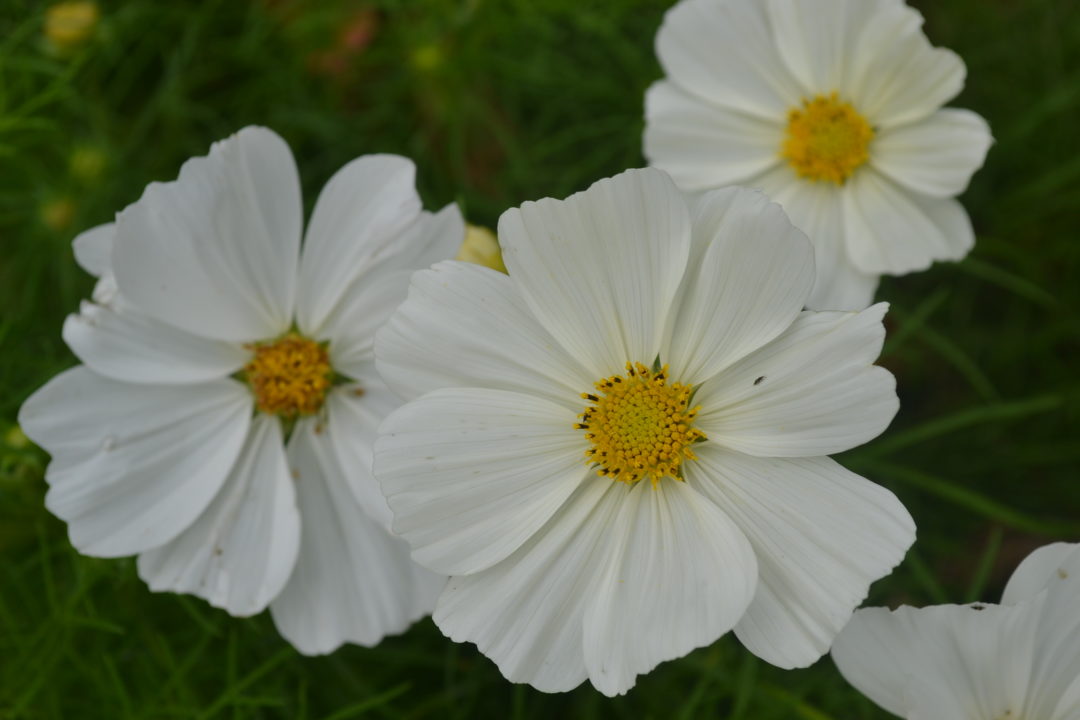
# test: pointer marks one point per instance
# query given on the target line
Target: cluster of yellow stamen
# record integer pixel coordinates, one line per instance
(289, 376)
(827, 139)
(639, 425)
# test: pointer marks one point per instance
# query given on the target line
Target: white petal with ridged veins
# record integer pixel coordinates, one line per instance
(215, 252)
(817, 209)
(946, 661)
(134, 465)
(812, 391)
(485, 336)
(1055, 673)
(897, 76)
(354, 412)
(353, 581)
(121, 343)
(680, 576)
(725, 52)
(93, 249)
(526, 612)
(821, 535)
(241, 550)
(380, 286)
(704, 145)
(357, 222)
(891, 230)
(600, 269)
(816, 38)
(471, 474)
(751, 279)
(936, 155)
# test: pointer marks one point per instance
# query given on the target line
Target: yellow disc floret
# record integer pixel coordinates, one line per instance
(289, 376)
(639, 426)
(826, 139)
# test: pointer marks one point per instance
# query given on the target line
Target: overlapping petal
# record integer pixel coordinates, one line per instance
(704, 145)
(241, 550)
(812, 391)
(123, 344)
(472, 473)
(353, 581)
(681, 574)
(935, 156)
(891, 230)
(737, 294)
(821, 535)
(93, 249)
(484, 334)
(600, 269)
(134, 465)
(526, 613)
(725, 51)
(215, 252)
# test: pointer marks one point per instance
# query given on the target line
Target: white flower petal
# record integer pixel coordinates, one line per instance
(1038, 570)
(353, 581)
(812, 391)
(1055, 672)
(526, 612)
(816, 38)
(936, 155)
(358, 220)
(947, 661)
(134, 465)
(724, 51)
(703, 145)
(893, 231)
(471, 474)
(353, 415)
(681, 575)
(485, 334)
(897, 76)
(93, 249)
(125, 345)
(241, 550)
(751, 273)
(600, 269)
(817, 209)
(381, 284)
(821, 535)
(215, 252)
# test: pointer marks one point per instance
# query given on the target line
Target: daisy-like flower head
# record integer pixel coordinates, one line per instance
(833, 108)
(221, 425)
(618, 450)
(1019, 660)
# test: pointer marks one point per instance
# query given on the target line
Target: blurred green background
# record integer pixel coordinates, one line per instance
(500, 102)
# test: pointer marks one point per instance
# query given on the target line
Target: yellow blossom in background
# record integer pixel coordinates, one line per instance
(15, 438)
(87, 163)
(69, 25)
(58, 213)
(481, 247)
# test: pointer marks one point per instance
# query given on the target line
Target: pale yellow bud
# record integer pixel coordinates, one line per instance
(69, 25)
(481, 247)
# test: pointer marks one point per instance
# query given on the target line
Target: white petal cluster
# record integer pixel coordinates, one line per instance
(560, 574)
(735, 70)
(158, 448)
(1019, 660)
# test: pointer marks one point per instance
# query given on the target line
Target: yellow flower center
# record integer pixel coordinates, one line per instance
(289, 376)
(639, 425)
(826, 139)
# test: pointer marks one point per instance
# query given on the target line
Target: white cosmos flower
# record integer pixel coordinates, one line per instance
(221, 426)
(1019, 660)
(553, 462)
(833, 107)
